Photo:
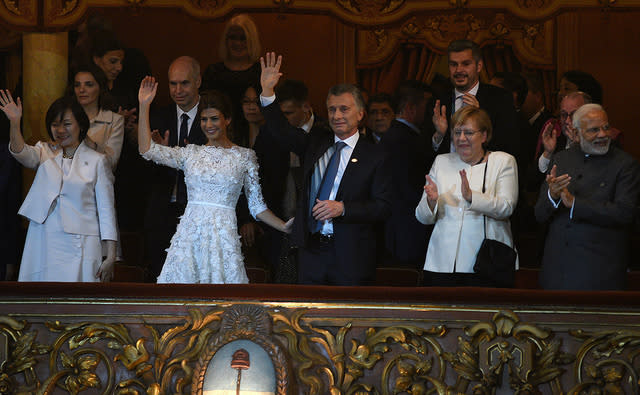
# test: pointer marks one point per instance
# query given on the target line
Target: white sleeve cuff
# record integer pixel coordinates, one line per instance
(265, 101)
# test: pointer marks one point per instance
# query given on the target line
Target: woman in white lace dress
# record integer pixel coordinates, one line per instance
(206, 245)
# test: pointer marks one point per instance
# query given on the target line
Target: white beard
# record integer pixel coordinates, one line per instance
(593, 149)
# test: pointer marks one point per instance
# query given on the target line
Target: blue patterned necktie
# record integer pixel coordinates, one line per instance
(329, 177)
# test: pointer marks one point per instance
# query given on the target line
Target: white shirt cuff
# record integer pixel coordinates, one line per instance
(265, 101)
(543, 164)
(555, 204)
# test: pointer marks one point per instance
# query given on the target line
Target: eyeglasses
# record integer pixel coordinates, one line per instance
(457, 132)
(248, 102)
(605, 128)
(236, 37)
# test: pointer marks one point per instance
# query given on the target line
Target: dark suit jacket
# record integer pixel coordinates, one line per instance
(590, 250)
(405, 237)
(162, 178)
(365, 190)
(499, 104)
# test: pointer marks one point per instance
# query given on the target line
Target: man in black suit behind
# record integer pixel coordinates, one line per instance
(181, 125)
(335, 216)
(406, 239)
(465, 65)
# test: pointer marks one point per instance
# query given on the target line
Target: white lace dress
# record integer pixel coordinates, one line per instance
(206, 245)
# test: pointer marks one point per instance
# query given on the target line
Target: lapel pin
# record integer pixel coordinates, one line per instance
(354, 160)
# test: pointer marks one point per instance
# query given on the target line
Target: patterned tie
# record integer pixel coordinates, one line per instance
(184, 129)
(329, 177)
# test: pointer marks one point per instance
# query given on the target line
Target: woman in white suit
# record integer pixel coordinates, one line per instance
(454, 201)
(70, 203)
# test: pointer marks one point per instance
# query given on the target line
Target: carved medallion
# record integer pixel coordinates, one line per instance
(371, 8)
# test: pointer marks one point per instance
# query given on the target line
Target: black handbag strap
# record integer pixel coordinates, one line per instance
(484, 177)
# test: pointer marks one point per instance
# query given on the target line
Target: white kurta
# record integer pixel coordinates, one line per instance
(458, 231)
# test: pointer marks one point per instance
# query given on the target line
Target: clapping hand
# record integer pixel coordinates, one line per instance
(549, 140)
(147, 92)
(470, 100)
(440, 119)
(464, 186)
(431, 190)
(162, 139)
(13, 110)
(270, 73)
(557, 184)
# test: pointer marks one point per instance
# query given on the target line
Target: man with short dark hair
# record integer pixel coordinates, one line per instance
(589, 199)
(346, 186)
(465, 65)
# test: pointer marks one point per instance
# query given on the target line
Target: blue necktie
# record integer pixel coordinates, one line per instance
(329, 177)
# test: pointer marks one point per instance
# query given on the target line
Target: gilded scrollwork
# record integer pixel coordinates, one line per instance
(607, 362)
(530, 356)
(371, 8)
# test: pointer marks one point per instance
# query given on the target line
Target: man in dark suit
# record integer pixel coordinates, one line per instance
(346, 186)
(406, 239)
(465, 65)
(181, 125)
(589, 199)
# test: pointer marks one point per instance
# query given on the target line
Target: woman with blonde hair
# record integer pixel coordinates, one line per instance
(469, 196)
(239, 52)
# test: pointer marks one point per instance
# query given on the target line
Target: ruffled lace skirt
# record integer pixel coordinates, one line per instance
(205, 248)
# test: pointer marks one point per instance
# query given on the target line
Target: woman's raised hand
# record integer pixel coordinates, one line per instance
(431, 189)
(147, 92)
(270, 73)
(12, 109)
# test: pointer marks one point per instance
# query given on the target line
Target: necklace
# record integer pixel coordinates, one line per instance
(68, 156)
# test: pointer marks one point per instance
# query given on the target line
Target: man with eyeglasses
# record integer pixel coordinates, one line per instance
(589, 199)
(553, 142)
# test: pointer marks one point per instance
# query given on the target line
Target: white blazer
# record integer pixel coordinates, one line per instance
(458, 231)
(107, 131)
(85, 195)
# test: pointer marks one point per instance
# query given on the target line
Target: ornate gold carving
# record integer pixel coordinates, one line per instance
(529, 355)
(21, 357)
(453, 27)
(607, 362)
(371, 8)
(499, 28)
(206, 4)
(532, 4)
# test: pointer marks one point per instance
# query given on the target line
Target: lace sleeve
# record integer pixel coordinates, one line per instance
(252, 185)
(167, 156)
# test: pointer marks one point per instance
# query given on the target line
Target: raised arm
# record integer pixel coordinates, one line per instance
(13, 111)
(146, 94)
(270, 73)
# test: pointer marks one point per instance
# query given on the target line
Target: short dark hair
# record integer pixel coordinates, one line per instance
(293, 90)
(105, 100)
(217, 100)
(409, 92)
(585, 83)
(59, 107)
(341, 89)
(104, 41)
(463, 45)
(380, 97)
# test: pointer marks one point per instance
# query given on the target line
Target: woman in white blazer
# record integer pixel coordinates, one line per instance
(453, 200)
(106, 129)
(70, 203)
